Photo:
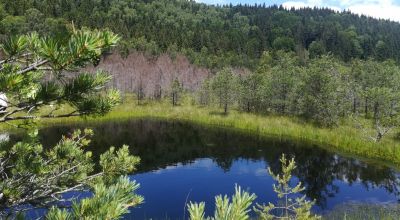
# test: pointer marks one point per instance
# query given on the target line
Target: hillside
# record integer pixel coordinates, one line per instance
(210, 36)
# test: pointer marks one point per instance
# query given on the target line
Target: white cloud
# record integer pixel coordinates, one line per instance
(315, 2)
(309, 3)
(214, 2)
(295, 5)
(386, 9)
(261, 172)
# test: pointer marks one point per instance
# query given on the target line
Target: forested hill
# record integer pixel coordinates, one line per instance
(211, 36)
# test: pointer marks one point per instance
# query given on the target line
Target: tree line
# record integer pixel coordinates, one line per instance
(324, 90)
(212, 36)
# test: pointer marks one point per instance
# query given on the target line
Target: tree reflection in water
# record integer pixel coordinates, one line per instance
(161, 144)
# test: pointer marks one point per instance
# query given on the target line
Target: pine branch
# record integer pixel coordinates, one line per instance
(27, 117)
(33, 66)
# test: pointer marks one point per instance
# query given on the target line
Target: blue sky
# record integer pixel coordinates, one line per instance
(387, 9)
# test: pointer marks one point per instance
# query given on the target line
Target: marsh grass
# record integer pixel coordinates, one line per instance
(345, 139)
(364, 212)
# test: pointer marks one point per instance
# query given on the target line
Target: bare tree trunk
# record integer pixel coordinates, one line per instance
(380, 130)
(283, 106)
(174, 99)
(376, 106)
(354, 105)
(157, 92)
(226, 107)
(139, 93)
(378, 137)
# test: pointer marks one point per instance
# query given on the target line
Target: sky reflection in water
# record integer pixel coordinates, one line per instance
(182, 162)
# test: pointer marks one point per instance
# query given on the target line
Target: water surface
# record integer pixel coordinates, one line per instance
(181, 162)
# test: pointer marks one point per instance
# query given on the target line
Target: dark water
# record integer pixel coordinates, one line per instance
(183, 162)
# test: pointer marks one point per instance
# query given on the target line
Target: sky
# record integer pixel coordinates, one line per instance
(386, 9)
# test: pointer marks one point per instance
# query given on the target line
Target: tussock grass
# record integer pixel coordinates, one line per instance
(345, 139)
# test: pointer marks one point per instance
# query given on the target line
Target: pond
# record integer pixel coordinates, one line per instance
(181, 162)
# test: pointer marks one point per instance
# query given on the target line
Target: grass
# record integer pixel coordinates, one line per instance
(345, 139)
(364, 212)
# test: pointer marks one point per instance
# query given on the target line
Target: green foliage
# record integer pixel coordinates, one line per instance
(2, 12)
(14, 45)
(204, 93)
(107, 202)
(38, 72)
(350, 211)
(283, 43)
(282, 74)
(321, 91)
(116, 163)
(224, 86)
(82, 48)
(376, 94)
(176, 90)
(33, 74)
(251, 92)
(290, 207)
(381, 50)
(316, 49)
(211, 36)
(12, 25)
(142, 44)
(351, 44)
(33, 176)
(238, 208)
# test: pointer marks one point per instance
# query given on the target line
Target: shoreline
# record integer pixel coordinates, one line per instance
(345, 140)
